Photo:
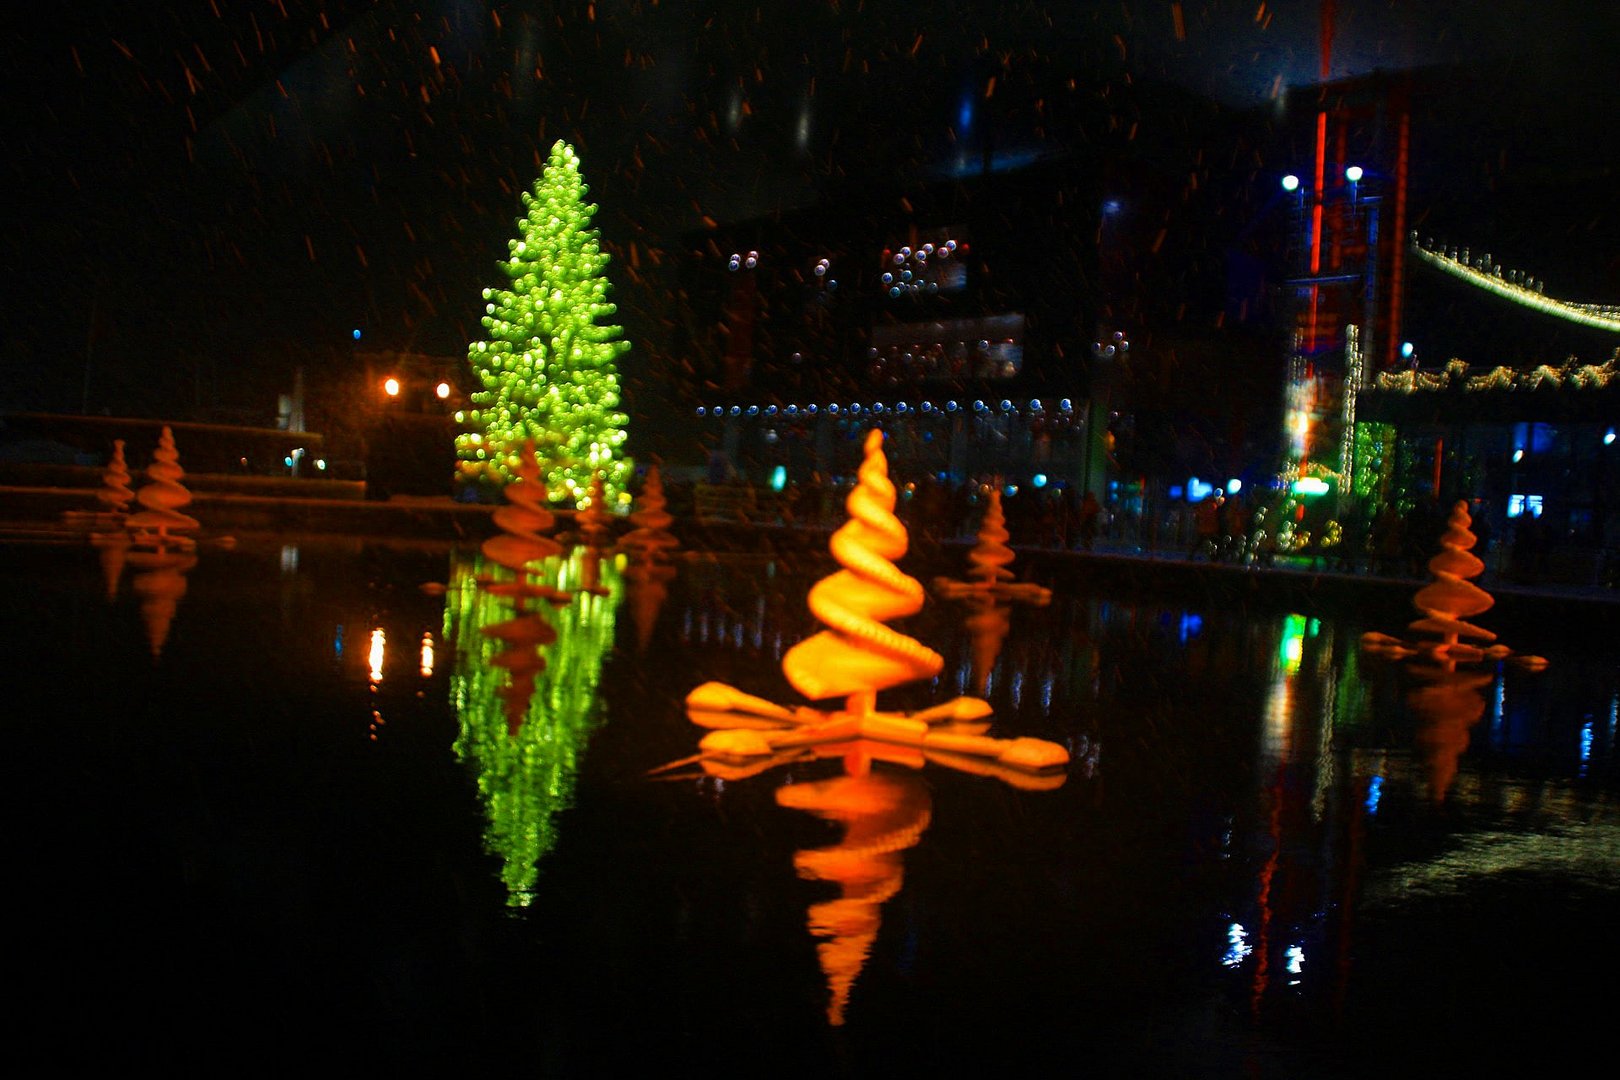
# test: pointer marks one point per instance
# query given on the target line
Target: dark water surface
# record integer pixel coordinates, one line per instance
(265, 848)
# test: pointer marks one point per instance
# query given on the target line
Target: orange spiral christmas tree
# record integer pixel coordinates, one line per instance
(650, 541)
(858, 654)
(1451, 597)
(115, 493)
(989, 579)
(649, 546)
(519, 547)
(592, 519)
(1447, 602)
(160, 523)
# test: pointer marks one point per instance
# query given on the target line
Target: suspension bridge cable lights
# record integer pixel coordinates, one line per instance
(548, 370)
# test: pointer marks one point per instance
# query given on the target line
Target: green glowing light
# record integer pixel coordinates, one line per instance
(548, 369)
(1309, 485)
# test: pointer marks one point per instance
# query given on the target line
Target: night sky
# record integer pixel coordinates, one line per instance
(204, 194)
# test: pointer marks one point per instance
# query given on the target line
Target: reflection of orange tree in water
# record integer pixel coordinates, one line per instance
(883, 813)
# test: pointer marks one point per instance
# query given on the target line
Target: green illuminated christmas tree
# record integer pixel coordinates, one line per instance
(548, 369)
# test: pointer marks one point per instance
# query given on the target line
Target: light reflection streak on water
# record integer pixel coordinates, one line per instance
(1586, 745)
(1498, 701)
(1237, 946)
(1375, 789)
(1570, 851)
(1614, 719)
(289, 558)
(374, 657)
(427, 656)
(1276, 737)
(1329, 674)
(1296, 962)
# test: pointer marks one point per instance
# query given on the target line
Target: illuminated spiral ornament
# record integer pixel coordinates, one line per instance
(857, 653)
(592, 520)
(991, 554)
(160, 523)
(521, 520)
(650, 540)
(115, 493)
(1450, 598)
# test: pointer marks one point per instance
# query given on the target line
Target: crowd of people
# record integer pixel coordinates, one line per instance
(1385, 539)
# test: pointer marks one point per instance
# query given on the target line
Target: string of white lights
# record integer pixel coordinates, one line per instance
(1517, 287)
(878, 408)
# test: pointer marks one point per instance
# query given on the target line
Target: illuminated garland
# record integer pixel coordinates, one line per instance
(548, 371)
(1036, 406)
(1570, 375)
(1517, 287)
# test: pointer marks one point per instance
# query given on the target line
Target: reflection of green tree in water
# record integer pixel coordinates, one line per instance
(525, 777)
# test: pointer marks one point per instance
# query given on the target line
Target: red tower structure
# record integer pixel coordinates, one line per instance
(1345, 261)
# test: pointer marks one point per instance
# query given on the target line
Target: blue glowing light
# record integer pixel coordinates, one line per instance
(356, 333)
(779, 478)
(1375, 789)
(1038, 480)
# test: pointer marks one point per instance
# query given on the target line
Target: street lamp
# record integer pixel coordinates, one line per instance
(391, 386)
